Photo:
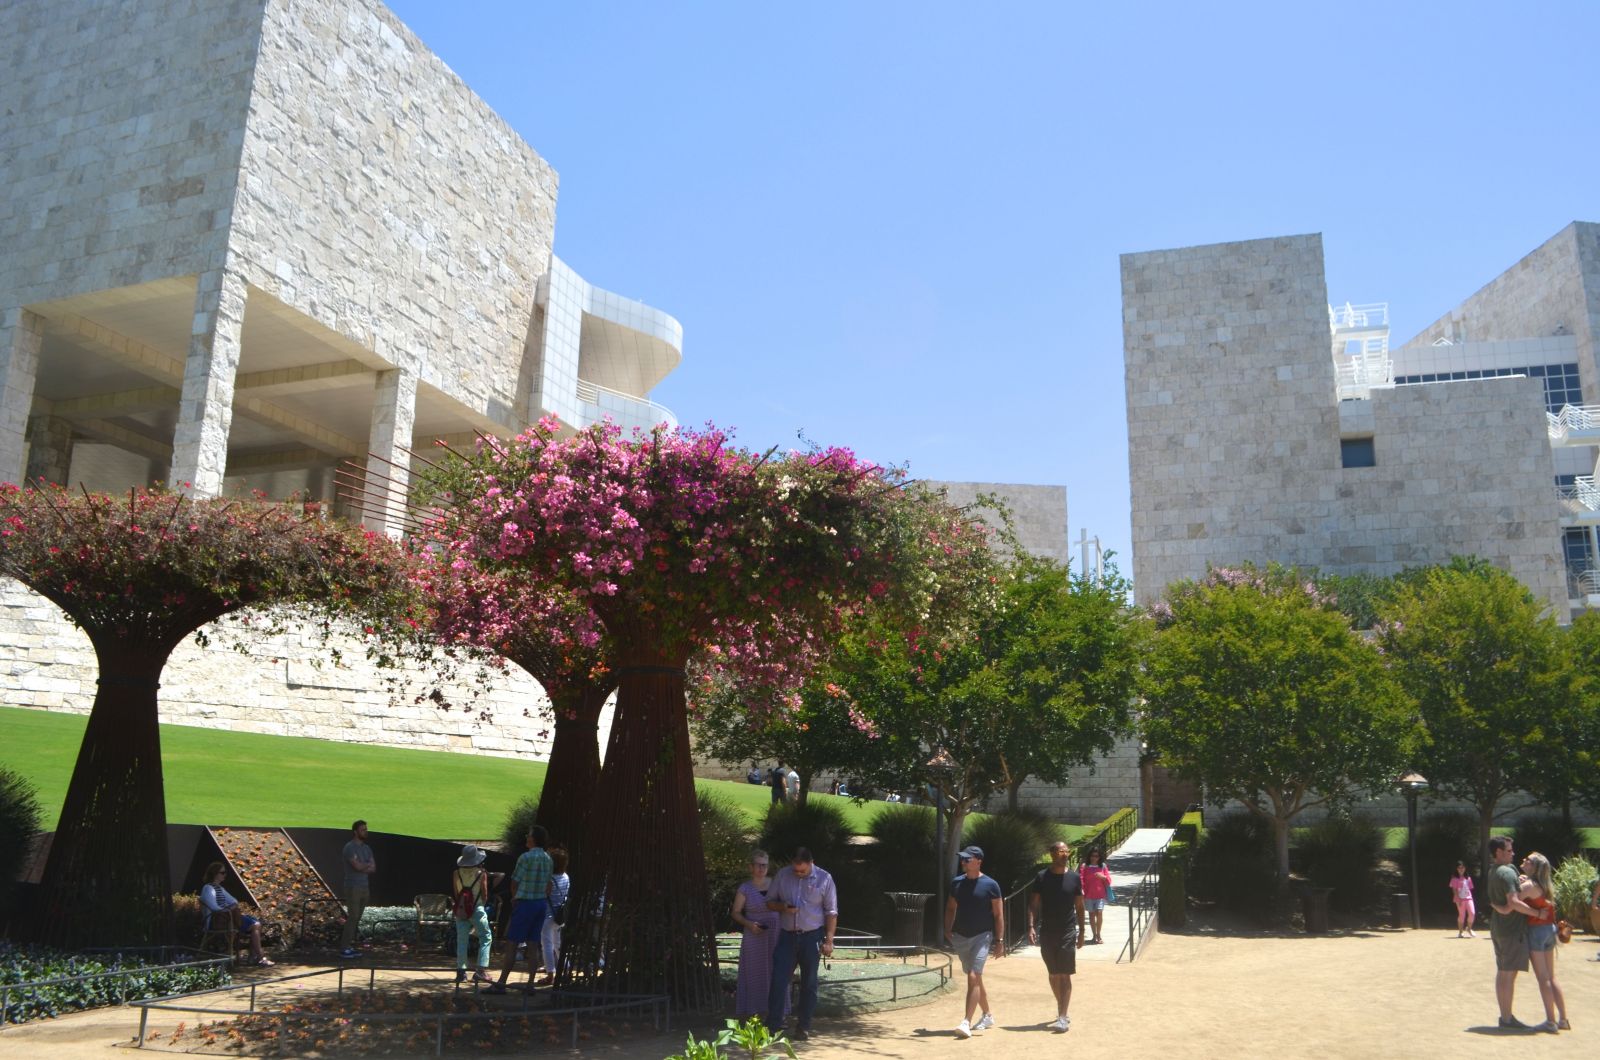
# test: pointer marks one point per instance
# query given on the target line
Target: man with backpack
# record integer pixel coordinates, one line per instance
(532, 874)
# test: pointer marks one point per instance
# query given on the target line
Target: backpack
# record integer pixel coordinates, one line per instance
(467, 899)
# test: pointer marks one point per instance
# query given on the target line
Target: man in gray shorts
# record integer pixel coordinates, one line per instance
(975, 924)
(1508, 927)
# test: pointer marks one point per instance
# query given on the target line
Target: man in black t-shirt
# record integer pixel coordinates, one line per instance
(1055, 924)
(776, 780)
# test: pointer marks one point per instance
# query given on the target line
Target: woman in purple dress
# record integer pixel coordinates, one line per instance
(760, 927)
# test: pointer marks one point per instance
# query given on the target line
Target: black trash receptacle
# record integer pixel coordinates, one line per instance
(909, 909)
(1400, 910)
(1314, 903)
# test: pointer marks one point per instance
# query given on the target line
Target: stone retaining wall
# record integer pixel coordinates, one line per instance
(287, 684)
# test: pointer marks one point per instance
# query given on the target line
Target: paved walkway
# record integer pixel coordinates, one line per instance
(1128, 864)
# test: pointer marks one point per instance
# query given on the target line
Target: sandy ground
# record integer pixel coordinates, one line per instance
(1363, 994)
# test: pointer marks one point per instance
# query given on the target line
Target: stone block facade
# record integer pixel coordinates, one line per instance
(1235, 431)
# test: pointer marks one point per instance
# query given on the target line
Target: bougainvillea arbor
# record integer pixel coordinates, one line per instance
(138, 574)
(679, 542)
(553, 636)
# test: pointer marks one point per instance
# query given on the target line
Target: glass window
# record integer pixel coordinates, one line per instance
(1358, 452)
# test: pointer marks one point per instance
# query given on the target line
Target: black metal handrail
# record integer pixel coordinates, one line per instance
(1142, 903)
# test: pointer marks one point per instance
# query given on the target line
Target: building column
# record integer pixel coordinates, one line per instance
(21, 336)
(394, 415)
(49, 449)
(205, 411)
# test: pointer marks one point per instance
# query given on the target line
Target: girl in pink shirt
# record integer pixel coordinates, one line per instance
(1096, 884)
(1461, 890)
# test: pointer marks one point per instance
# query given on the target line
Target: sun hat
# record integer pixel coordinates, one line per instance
(470, 856)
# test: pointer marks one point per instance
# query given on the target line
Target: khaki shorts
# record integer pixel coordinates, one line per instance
(1511, 952)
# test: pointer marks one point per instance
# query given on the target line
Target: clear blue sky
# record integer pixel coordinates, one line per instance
(895, 226)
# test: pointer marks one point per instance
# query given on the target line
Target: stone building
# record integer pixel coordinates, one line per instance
(1266, 424)
(244, 243)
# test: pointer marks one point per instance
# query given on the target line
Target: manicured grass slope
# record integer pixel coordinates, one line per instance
(237, 778)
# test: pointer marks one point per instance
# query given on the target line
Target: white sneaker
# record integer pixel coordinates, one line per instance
(964, 1029)
(984, 1024)
(1062, 1024)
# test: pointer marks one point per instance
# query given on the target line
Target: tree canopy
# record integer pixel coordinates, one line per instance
(1258, 688)
(138, 574)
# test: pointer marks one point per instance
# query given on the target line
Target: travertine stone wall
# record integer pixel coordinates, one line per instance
(1234, 430)
(1091, 794)
(1040, 512)
(277, 688)
(385, 200)
(122, 130)
(1555, 290)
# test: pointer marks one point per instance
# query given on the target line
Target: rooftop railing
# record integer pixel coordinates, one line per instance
(1370, 315)
(1573, 419)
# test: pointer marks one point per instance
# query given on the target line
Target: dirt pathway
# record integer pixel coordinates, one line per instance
(1376, 994)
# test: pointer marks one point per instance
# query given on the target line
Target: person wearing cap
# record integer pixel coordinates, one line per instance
(975, 926)
(807, 904)
(470, 876)
(1055, 925)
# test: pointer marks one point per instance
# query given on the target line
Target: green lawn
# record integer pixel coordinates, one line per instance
(239, 778)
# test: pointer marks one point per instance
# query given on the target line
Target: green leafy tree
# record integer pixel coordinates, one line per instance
(1489, 672)
(1578, 768)
(1258, 688)
(1042, 682)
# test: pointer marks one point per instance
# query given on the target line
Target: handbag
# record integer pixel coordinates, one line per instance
(558, 915)
(1564, 930)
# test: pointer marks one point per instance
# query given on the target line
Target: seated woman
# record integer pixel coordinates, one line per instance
(216, 900)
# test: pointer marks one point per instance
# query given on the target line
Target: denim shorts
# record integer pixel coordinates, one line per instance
(973, 950)
(1541, 938)
(1094, 905)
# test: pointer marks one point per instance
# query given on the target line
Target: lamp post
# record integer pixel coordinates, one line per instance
(1411, 784)
(940, 767)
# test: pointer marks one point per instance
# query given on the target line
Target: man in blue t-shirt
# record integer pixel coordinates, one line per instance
(975, 923)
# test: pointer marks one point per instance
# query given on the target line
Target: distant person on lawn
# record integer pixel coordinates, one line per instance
(975, 925)
(533, 874)
(776, 780)
(219, 902)
(1055, 924)
(469, 876)
(358, 869)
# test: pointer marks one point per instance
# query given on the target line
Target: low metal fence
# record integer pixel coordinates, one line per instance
(121, 976)
(939, 962)
(573, 1005)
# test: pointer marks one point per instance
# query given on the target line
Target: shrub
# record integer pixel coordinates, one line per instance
(19, 824)
(1013, 846)
(1190, 825)
(523, 815)
(36, 963)
(1235, 866)
(1342, 852)
(1574, 883)
(727, 849)
(820, 825)
(904, 851)
(1172, 900)
(1548, 834)
(188, 920)
(1444, 837)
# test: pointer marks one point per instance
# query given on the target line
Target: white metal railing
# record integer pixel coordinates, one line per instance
(1582, 583)
(591, 393)
(1573, 418)
(1371, 315)
(1359, 374)
(1583, 492)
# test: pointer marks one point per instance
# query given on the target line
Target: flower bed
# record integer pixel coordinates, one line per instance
(38, 982)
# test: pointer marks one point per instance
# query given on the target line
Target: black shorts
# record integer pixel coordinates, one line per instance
(1060, 953)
